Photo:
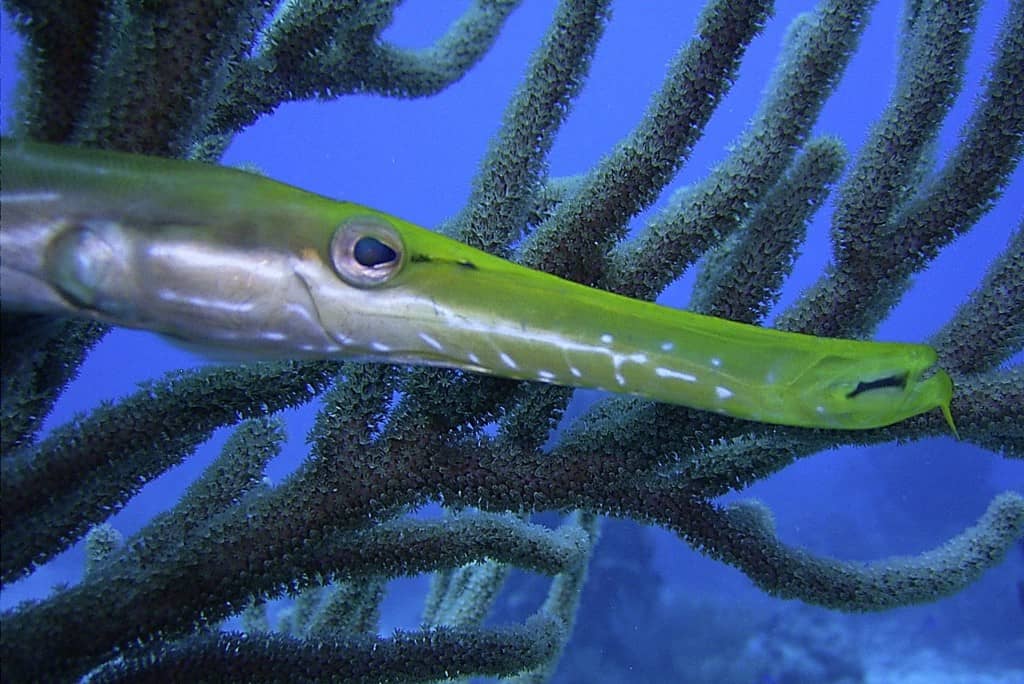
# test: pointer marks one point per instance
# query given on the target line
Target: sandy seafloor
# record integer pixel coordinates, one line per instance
(655, 610)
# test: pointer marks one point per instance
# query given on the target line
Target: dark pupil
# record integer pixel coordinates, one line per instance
(370, 252)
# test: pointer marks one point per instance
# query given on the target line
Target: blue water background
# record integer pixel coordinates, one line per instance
(416, 159)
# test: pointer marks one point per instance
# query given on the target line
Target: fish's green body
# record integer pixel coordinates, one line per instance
(239, 265)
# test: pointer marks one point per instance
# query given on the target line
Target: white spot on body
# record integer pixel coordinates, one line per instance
(820, 410)
(607, 339)
(300, 311)
(172, 254)
(169, 295)
(473, 358)
(619, 359)
(508, 361)
(576, 373)
(431, 341)
(723, 392)
(341, 338)
(379, 347)
(716, 362)
(545, 375)
(675, 375)
(16, 197)
(273, 335)
(667, 346)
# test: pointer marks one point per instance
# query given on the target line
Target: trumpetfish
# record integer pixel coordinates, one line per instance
(236, 264)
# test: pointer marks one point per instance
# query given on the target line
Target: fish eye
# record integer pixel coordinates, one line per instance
(370, 252)
(366, 251)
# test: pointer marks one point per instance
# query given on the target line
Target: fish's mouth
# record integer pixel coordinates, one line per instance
(897, 381)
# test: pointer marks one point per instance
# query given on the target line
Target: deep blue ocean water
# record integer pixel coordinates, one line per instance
(664, 613)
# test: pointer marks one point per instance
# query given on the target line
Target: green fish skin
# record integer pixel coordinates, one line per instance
(240, 266)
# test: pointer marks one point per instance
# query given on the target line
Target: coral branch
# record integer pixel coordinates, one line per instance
(818, 48)
(182, 78)
(416, 656)
(989, 328)
(573, 242)
(744, 536)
